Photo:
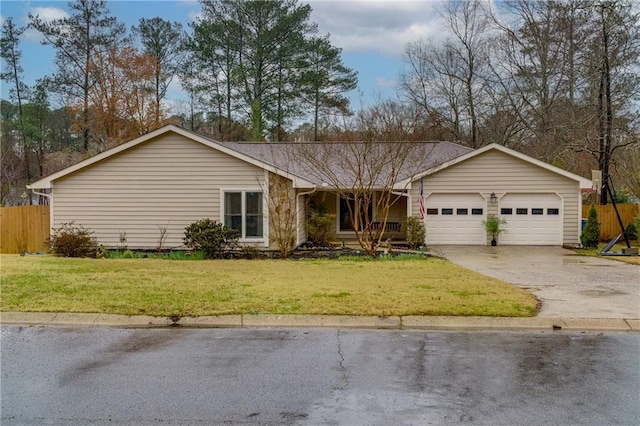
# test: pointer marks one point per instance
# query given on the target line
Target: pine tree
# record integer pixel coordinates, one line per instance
(77, 39)
(162, 40)
(260, 59)
(12, 73)
(324, 79)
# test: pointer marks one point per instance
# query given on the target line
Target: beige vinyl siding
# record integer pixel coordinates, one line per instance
(168, 181)
(495, 171)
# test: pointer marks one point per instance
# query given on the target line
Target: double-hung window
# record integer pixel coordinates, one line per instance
(243, 211)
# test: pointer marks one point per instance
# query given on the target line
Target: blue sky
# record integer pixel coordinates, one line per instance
(372, 34)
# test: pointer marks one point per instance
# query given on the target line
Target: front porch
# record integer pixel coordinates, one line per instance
(330, 203)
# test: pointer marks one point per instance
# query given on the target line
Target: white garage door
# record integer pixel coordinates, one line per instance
(532, 219)
(455, 219)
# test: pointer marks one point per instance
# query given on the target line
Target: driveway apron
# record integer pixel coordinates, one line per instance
(568, 285)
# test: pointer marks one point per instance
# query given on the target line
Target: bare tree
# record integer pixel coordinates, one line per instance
(617, 47)
(282, 214)
(447, 78)
(368, 168)
(282, 199)
(530, 64)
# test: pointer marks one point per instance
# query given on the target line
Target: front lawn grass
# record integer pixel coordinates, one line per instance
(595, 252)
(215, 287)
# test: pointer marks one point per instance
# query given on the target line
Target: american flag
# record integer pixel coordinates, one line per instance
(422, 211)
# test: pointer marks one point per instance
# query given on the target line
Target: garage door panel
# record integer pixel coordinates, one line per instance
(539, 221)
(455, 219)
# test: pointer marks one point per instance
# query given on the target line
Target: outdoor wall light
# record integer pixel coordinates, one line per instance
(493, 198)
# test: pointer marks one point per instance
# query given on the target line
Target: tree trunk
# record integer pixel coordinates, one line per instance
(605, 115)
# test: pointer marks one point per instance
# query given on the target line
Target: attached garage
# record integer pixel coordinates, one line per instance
(455, 218)
(540, 202)
(532, 219)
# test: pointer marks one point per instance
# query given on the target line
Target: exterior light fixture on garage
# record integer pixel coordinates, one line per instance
(493, 198)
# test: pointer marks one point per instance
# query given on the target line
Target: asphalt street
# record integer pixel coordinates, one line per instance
(317, 376)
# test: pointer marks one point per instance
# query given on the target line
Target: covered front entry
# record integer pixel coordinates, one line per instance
(455, 219)
(329, 202)
(532, 219)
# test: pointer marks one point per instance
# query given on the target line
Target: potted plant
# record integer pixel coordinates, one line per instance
(493, 225)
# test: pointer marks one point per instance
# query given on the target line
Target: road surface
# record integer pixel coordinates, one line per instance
(180, 376)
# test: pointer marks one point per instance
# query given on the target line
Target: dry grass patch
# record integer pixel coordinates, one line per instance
(215, 287)
(595, 252)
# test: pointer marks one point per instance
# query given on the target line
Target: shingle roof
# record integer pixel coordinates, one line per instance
(312, 163)
(330, 162)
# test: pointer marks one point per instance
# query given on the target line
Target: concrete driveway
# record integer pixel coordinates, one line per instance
(568, 285)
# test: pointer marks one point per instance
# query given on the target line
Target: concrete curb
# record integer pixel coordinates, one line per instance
(330, 321)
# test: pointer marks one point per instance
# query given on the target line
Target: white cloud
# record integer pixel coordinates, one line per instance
(384, 82)
(378, 26)
(46, 14)
(195, 15)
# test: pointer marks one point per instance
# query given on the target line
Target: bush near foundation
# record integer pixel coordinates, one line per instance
(72, 240)
(212, 237)
(415, 232)
(590, 236)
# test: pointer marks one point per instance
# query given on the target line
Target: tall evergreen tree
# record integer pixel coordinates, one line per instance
(208, 73)
(163, 40)
(89, 30)
(325, 79)
(257, 45)
(12, 73)
(37, 123)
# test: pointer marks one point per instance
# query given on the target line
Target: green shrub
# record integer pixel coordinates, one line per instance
(73, 241)
(590, 236)
(128, 254)
(631, 231)
(321, 228)
(195, 255)
(103, 252)
(414, 232)
(212, 237)
(250, 252)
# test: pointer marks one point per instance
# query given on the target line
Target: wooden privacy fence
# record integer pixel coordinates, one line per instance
(609, 226)
(24, 229)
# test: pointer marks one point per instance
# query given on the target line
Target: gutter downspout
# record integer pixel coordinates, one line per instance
(40, 193)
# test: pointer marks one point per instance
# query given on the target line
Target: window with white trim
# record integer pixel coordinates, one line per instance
(243, 211)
